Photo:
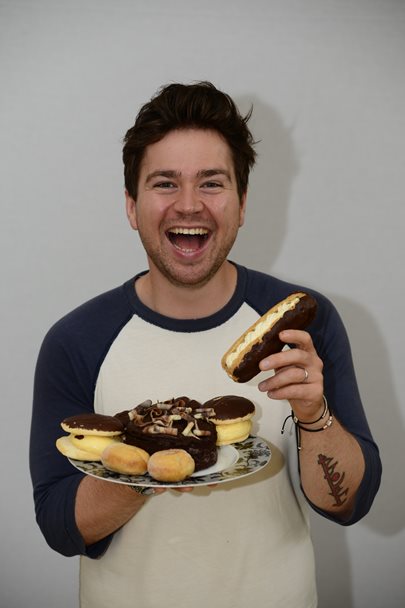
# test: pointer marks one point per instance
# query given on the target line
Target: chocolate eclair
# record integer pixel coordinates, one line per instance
(241, 360)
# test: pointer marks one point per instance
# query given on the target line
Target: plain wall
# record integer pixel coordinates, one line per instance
(326, 209)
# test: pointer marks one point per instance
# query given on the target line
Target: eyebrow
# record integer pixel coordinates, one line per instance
(202, 173)
(212, 172)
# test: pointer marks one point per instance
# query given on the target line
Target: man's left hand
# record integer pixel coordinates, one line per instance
(297, 375)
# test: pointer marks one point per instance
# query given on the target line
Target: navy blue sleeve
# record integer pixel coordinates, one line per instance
(65, 377)
(340, 384)
(341, 389)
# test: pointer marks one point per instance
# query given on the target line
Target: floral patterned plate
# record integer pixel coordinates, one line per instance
(234, 461)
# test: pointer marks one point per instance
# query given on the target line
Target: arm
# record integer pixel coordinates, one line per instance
(101, 508)
(76, 513)
(332, 463)
(65, 376)
(332, 468)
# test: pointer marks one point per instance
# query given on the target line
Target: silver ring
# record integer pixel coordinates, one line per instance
(143, 491)
(306, 375)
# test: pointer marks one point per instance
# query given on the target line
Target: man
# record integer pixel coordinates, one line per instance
(162, 334)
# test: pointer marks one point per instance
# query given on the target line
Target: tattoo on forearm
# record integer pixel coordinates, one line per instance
(334, 479)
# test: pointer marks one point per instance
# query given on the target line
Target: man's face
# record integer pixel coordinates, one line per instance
(188, 211)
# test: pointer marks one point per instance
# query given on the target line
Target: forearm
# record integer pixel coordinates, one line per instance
(332, 467)
(101, 508)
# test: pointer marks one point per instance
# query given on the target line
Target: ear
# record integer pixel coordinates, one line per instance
(242, 209)
(131, 210)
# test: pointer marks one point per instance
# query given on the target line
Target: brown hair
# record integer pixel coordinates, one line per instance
(180, 106)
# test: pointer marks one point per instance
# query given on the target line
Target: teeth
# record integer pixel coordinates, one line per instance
(192, 231)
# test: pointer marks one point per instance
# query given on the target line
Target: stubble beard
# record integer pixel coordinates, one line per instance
(188, 280)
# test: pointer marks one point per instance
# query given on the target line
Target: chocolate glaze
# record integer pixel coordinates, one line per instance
(204, 451)
(123, 417)
(298, 318)
(203, 448)
(230, 407)
(94, 422)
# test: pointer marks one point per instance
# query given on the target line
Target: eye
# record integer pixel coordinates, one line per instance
(212, 185)
(166, 185)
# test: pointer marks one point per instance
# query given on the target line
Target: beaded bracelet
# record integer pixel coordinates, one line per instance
(299, 427)
(321, 417)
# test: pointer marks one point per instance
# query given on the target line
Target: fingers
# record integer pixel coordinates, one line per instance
(290, 383)
(191, 488)
(158, 491)
(183, 490)
(297, 371)
(304, 347)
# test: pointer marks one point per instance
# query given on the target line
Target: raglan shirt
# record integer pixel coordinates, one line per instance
(234, 544)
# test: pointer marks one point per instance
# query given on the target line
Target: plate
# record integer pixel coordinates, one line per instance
(234, 461)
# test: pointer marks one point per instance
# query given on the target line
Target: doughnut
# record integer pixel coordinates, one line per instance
(232, 417)
(241, 360)
(125, 459)
(171, 465)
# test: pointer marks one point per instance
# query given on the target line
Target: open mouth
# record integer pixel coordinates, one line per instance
(188, 240)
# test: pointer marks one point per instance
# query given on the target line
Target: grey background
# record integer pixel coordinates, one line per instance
(326, 208)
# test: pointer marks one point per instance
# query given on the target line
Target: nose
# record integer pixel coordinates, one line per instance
(188, 201)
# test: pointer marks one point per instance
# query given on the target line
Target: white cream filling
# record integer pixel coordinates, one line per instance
(260, 327)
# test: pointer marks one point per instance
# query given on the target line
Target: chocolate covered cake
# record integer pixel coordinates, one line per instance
(179, 423)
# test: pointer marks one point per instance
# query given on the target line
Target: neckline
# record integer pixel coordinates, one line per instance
(189, 325)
